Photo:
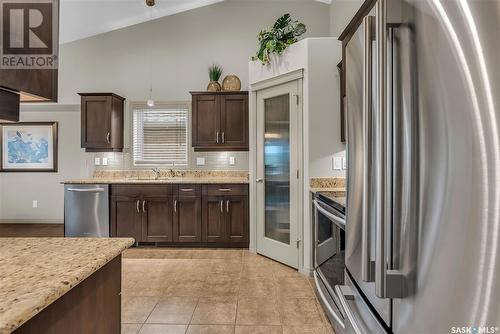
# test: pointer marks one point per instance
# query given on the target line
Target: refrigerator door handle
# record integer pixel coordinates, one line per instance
(368, 266)
(388, 283)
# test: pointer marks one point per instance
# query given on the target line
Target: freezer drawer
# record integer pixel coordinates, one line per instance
(359, 318)
(86, 210)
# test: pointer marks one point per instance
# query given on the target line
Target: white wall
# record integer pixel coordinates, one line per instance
(18, 190)
(183, 46)
(341, 13)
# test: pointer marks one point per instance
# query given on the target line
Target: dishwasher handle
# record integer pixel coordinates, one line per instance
(86, 190)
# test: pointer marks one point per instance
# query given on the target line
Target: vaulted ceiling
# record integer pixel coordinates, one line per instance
(84, 18)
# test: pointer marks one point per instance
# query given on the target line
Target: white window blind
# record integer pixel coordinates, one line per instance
(161, 136)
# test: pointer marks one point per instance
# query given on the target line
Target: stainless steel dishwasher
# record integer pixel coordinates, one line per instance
(86, 210)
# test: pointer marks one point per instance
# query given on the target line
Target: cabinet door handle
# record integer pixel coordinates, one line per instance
(137, 206)
(108, 137)
(217, 137)
(175, 205)
(223, 137)
(221, 204)
(227, 206)
(143, 206)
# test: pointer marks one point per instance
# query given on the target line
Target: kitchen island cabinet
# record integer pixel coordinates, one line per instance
(61, 285)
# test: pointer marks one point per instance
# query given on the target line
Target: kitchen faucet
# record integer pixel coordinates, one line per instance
(157, 173)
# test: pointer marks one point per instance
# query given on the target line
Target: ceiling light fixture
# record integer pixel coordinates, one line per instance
(150, 103)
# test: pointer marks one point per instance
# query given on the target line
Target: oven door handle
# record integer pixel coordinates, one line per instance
(325, 301)
(337, 220)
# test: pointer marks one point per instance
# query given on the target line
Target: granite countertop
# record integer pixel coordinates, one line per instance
(174, 180)
(35, 272)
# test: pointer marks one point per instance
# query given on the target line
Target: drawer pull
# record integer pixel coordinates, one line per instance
(187, 189)
(224, 189)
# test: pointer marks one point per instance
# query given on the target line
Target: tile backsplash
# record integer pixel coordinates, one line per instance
(212, 161)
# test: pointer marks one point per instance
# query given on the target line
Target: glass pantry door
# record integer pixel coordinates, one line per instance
(277, 166)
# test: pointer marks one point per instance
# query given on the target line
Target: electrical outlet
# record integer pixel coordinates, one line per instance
(344, 163)
(337, 163)
(97, 161)
(35, 204)
(200, 161)
(232, 161)
(104, 161)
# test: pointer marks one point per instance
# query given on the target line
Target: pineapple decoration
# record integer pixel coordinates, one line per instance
(214, 73)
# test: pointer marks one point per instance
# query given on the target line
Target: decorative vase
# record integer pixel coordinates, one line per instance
(214, 86)
(231, 83)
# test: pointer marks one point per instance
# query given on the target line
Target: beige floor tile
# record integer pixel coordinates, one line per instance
(186, 288)
(257, 311)
(281, 271)
(173, 310)
(215, 311)
(258, 330)
(258, 288)
(163, 329)
(131, 328)
(303, 330)
(227, 267)
(136, 309)
(294, 288)
(221, 286)
(299, 312)
(210, 329)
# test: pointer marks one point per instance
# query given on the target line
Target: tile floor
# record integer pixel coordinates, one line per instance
(214, 291)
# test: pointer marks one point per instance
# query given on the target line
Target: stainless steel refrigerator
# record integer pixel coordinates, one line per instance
(423, 201)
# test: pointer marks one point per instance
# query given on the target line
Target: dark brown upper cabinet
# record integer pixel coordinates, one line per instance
(102, 122)
(220, 121)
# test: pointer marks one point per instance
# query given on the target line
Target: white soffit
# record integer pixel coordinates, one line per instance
(84, 18)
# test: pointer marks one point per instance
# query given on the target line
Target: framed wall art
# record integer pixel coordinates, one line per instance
(28, 147)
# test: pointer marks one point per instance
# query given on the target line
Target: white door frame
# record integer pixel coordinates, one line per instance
(254, 88)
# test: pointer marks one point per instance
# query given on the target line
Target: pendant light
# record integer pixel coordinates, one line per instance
(150, 103)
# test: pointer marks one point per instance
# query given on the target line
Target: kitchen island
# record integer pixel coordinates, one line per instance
(60, 285)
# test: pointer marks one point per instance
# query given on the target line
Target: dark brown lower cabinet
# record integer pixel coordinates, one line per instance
(215, 215)
(157, 219)
(226, 219)
(237, 218)
(187, 219)
(214, 219)
(126, 217)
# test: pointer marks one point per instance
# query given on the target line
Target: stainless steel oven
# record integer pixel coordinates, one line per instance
(329, 255)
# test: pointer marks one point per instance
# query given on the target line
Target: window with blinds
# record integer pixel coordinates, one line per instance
(161, 136)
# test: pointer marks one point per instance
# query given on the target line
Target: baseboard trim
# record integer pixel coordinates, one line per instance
(31, 221)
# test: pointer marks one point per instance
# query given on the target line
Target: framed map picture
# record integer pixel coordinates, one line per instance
(28, 147)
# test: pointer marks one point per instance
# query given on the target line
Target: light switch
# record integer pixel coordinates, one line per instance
(344, 163)
(104, 161)
(200, 161)
(337, 163)
(97, 161)
(232, 161)
(35, 204)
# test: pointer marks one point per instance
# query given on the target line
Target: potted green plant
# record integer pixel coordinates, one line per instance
(284, 33)
(214, 73)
